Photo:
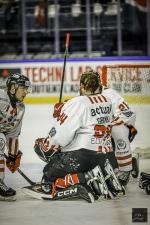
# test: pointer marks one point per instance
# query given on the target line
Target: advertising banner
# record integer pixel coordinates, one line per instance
(45, 77)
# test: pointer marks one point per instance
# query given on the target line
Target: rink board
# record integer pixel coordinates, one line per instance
(46, 75)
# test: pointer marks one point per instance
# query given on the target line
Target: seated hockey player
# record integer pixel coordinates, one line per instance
(123, 133)
(11, 114)
(82, 132)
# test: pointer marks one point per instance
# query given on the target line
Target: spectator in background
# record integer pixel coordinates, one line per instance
(40, 13)
(10, 14)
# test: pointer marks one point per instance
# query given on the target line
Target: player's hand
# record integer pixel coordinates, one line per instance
(57, 109)
(44, 149)
(13, 161)
(43, 143)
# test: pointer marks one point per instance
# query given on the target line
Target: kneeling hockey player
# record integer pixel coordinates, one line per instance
(123, 133)
(82, 130)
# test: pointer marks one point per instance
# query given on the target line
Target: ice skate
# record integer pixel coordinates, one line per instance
(76, 191)
(6, 193)
(123, 177)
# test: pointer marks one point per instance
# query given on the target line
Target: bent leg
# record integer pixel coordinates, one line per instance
(78, 161)
(122, 147)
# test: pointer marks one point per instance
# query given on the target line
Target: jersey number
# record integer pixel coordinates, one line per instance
(101, 130)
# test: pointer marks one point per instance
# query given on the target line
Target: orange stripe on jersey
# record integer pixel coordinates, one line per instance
(125, 164)
(16, 147)
(91, 99)
(95, 99)
(105, 100)
(99, 148)
(2, 161)
(99, 97)
(10, 145)
(126, 105)
(124, 157)
(2, 170)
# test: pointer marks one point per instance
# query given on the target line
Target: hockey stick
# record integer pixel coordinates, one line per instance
(22, 174)
(64, 66)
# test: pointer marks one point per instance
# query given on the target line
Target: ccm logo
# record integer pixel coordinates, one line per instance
(67, 192)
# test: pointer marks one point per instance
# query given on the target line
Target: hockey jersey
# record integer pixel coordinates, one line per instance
(3, 83)
(122, 112)
(10, 121)
(83, 123)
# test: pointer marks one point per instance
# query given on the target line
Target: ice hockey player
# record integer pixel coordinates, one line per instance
(82, 130)
(123, 133)
(11, 114)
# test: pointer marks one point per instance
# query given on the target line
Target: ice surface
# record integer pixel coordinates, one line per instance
(28, 211)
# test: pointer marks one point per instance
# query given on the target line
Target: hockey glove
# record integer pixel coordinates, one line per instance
(13, 161)
(57, 109)
(44, 149)
(132, 132)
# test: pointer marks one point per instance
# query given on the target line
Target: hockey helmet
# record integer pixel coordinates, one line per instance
(18, 80)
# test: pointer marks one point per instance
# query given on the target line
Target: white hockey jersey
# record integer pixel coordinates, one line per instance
(10, 121)
(83, 123)
(122, 112)
(3, 83)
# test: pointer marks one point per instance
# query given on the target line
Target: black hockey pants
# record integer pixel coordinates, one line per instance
(78, 161)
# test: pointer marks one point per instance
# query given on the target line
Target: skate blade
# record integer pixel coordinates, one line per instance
(8, 199)
(35, 194)
(91, 197)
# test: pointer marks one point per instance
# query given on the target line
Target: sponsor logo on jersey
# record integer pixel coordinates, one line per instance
(97, 141)
(103, 120)
(127, 113)
(67, 192)
(101, 110)
(121, 144)
(52, 132)
(2, 143)
(122, 152)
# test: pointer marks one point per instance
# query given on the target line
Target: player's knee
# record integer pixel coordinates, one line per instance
(48, 173)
